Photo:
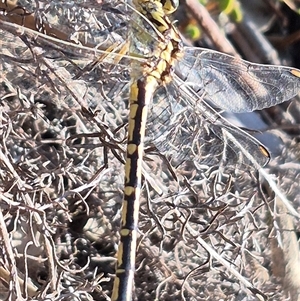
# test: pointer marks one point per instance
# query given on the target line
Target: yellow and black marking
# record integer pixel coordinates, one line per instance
(141, 94)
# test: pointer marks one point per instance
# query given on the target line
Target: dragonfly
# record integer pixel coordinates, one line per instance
(182, 86)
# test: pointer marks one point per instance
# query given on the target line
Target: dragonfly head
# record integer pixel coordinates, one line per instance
(169, 6)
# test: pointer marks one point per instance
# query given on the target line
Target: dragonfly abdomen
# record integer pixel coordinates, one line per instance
(141, 93)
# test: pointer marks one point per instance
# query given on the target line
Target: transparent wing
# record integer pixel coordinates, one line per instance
(219, 78)
(236, 85)
(182, 125)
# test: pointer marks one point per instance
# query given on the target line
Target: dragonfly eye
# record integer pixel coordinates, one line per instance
(169, 6)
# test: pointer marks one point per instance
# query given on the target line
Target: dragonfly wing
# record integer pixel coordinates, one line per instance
(236, 85)
(185, 127)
